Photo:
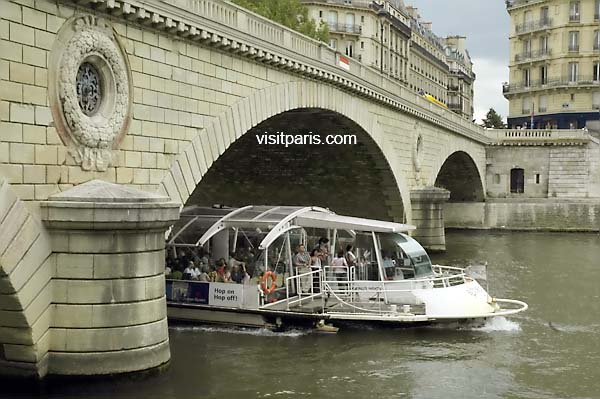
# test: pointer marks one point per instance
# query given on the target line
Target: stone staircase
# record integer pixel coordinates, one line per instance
(568, 173)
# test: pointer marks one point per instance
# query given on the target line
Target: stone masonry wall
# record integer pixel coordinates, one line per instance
(180, 88)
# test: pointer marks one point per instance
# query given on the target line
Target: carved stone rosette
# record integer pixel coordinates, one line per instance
(90, 90)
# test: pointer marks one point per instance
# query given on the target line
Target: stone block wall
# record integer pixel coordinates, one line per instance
(180, 89)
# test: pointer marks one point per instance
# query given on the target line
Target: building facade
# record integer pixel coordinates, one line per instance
(393, 38)
(554, 63)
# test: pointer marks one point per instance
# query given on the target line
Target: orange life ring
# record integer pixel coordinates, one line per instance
(263, 282)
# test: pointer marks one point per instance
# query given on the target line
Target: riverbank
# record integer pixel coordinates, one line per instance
(567, 215)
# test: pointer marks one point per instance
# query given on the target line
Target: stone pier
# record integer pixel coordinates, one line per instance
(109, 310)
(428, 215)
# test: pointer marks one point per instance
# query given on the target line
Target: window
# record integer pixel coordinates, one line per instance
(573, 71)
(597, 10)
(537, 178)
(596, 100)
(333, 43)
(362, 19)
(572, 96)
(332, 17)
(543, 103)
(526, 77)
(320, 13)
(362, 45)
(574, 40)
(574, 11)
(544, 15)
(527, 48)
(349, 22)
(527, 105)
(597, 40)
(544, 74)
(543, 45)
(349, 48)
(517, 180)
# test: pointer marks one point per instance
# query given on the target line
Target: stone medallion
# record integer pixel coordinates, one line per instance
(90, 90)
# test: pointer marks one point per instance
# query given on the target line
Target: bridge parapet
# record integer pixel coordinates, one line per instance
(539, 136)
(243, 33)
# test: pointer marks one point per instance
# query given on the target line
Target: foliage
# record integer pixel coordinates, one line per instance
(493, 120)
(290, 13)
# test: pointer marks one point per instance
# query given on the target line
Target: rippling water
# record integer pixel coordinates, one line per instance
(551, 351)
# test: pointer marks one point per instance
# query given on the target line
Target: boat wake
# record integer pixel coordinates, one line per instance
(259, 332)
(499, 324)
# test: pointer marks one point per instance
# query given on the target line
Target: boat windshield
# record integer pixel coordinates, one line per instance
(416, 253)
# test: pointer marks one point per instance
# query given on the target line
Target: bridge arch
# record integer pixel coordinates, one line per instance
(205, 151)
(459, 173)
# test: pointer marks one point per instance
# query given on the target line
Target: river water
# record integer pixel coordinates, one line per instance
(550, 351)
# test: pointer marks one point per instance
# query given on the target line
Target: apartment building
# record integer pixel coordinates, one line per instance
(554, 63)
(392, 37)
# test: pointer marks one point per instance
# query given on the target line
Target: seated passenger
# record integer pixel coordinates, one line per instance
(204, 276)
(212, 274)
(191, 272)
(236, 274)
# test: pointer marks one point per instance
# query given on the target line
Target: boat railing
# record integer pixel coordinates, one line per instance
(298, 283)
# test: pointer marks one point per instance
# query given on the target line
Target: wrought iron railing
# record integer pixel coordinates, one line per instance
(344, 28)
(533, 55)
(532, 26)
(583, 80)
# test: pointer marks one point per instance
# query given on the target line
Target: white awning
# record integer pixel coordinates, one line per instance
(333, 221)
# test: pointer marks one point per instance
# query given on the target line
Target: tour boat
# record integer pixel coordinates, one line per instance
(388, 277)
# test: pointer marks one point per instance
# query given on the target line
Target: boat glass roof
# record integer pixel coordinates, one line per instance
(198, 224)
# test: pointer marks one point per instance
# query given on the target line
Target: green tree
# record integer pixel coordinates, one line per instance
(493, 120)
(290, 13)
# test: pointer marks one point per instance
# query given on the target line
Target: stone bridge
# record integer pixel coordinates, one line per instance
(157, 104)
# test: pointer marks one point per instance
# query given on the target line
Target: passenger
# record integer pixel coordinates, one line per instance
(339, 261)
(168, 271)
(191, 272)
(227, 275)
(233, 261)
(212, 275)
(236, 274)
(339, 267)
(302, 258)
(239, 275)
(204, 276)
(323, 246)
(350, 257)
(315, 258)
(245, 277)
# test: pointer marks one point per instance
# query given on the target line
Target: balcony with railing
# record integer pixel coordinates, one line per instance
(531, 56)
(573, 48)
(518, 3)
(583, 81)
(352, 29)
(347, 3)
(454, 106)
(574, 18)
(533, 26)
